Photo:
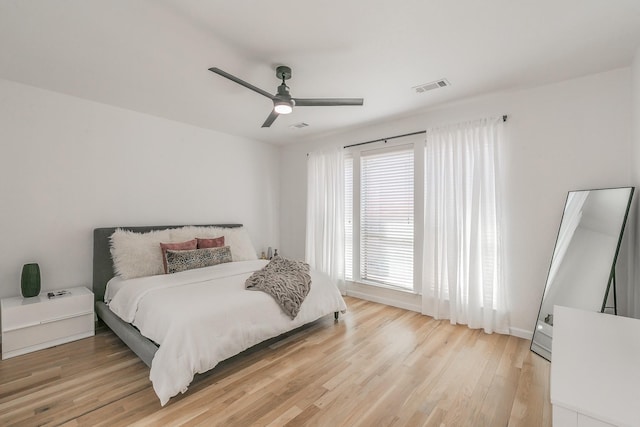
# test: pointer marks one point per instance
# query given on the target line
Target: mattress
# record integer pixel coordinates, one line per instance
(203, 316)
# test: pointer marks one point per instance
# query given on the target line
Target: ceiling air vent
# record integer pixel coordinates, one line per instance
(431, 85)
(299, 125)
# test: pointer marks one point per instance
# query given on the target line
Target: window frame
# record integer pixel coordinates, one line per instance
(417, 142)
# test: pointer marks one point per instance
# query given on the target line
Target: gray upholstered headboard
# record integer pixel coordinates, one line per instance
(102, 262)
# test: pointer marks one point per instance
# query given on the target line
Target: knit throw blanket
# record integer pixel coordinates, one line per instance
(287, 281)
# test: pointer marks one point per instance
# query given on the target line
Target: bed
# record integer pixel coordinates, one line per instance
(186, 323)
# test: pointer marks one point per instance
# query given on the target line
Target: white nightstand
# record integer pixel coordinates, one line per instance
(30, 324)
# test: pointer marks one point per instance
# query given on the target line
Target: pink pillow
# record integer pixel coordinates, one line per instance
(218, 242)
(182, 246)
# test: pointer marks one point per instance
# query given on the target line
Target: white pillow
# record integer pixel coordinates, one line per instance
(138, 254)
(241, 247)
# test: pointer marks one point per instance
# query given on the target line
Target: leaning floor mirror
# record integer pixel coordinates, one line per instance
(582, 271)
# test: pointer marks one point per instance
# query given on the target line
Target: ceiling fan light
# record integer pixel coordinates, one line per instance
(283, 107)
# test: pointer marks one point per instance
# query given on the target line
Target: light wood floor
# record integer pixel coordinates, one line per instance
(377, 366)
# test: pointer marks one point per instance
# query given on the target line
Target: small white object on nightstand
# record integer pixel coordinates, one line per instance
(30, 324)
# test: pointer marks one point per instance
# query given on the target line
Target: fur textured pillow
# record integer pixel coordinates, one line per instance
(138, 254)
(241, 247)
(198, 258)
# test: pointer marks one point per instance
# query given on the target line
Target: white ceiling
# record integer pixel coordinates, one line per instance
(153, 56)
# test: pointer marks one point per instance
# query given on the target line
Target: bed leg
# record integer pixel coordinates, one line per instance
(336, 314)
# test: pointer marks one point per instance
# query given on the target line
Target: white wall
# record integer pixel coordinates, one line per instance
(570, 135)
(69, 165)
(631, 298)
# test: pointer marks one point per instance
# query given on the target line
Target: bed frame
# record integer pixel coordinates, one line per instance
(103, 271)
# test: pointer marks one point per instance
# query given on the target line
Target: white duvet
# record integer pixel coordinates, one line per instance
(201, 317)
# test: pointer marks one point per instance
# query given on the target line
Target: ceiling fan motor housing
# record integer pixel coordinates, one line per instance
(283, 91)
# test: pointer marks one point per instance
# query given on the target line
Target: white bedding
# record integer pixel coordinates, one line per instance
(201, 317)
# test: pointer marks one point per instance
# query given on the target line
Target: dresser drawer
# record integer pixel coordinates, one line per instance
(46, 334)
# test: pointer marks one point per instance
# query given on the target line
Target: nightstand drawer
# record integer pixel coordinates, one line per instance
(46, 335)
(33, 311)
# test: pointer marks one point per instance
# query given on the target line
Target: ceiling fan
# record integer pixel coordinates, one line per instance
(283, 102)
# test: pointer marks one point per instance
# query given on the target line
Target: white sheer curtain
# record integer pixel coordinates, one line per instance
(325, 213)
(462, 257)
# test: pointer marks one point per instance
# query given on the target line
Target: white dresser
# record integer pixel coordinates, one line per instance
(595, 369)
(30, 324)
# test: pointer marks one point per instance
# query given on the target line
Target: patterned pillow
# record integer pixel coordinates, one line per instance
(197, 258)
(181, 246)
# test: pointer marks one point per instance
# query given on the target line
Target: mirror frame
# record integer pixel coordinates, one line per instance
(612, 275)
(613, 265)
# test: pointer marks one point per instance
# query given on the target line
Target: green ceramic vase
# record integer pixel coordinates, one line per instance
(30, 283)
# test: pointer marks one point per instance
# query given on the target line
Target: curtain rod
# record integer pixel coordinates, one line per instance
(504, 119)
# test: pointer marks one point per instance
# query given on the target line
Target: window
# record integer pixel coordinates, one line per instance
(379, 192)
(422, 215)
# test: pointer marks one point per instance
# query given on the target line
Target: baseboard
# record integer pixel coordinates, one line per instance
(384, 300)
(521, 333)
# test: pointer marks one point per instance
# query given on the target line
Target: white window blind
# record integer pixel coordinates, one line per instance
(387, 217)
(348, 218)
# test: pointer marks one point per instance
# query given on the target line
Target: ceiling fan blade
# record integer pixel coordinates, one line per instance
(272, 117)
(241, 82)
(322, 102)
